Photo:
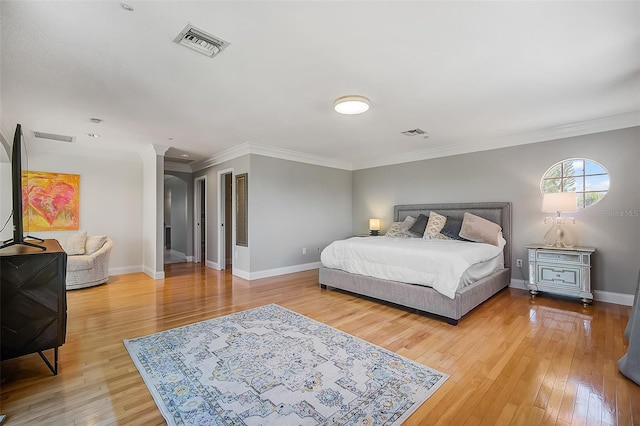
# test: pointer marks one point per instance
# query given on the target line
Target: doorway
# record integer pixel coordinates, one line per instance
(175, 219)
(225, 217)
(228, 201)
(200, 220)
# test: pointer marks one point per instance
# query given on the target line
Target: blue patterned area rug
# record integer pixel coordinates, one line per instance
(272, 366)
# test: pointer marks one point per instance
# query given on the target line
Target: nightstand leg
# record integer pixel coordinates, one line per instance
(533, 293)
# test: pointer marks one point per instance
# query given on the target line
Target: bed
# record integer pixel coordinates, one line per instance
(426, 299)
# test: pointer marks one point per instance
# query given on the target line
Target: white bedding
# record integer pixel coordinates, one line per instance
(439, 264)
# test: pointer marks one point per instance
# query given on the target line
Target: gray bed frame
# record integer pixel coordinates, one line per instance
(426, 299)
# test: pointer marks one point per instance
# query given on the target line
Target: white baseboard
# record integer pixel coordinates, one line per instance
(212, 265)
(125, 270)
(276, 271)
(598, 295)
(156, 275)
(177, 253)
(518, 283)
(611, 297)
(190, 259)
(240, 273)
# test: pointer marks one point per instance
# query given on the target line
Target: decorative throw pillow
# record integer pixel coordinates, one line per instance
(401, 229)
(480, 230)
(94, 243)
(451, 229)
(434, 225)
(74, 244)
(396, 231)
(418, 227)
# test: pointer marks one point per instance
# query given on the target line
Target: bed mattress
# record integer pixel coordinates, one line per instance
(444, 265)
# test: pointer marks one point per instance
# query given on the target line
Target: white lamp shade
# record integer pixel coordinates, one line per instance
(352, 104)
(374, 224)
(560, 202)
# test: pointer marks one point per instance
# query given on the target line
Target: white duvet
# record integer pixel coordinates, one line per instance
(435, 263)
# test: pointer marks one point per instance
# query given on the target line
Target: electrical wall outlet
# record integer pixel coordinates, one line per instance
(304, 250)
(519, 263)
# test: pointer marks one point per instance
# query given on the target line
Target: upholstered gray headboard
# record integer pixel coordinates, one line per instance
(497, 212)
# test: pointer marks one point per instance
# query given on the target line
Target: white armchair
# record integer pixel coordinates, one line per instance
(92, 266)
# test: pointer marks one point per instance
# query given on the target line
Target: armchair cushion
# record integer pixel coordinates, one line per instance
(74, 244)
(94, 243)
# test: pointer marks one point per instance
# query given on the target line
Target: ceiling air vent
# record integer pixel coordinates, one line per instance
(54, 137)
(200, 41)
(413, 132)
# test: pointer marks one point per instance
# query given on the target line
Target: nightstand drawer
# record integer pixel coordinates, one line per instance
(558, 276)
(555, 257)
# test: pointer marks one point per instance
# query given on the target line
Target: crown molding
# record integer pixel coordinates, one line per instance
(615, 122)
(604, 124)
(270, 151)
(287, 154)
(222, 156)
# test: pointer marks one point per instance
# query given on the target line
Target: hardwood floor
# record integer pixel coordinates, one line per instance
(511, 361)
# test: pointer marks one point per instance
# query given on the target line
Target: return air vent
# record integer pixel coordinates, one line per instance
(200, 41)
(413, 132)
(54, 137)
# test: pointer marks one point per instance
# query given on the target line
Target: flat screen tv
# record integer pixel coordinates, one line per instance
(16, 193)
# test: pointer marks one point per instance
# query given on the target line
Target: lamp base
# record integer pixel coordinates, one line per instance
(374, 233)
(560, 234)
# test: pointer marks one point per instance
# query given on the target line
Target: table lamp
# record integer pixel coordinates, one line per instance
(374, 227)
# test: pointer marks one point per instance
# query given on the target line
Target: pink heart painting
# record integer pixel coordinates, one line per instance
(51, 201)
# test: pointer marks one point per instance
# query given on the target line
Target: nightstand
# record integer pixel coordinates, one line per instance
(561, 270)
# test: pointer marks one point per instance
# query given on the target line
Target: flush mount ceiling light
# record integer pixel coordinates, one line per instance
(351, 104)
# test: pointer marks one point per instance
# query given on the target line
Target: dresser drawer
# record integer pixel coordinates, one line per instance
(558, 257)
(563, 276)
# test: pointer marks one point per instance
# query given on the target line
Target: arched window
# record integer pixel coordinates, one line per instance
(587, 178)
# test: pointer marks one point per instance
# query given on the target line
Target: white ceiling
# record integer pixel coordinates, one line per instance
(474, 75)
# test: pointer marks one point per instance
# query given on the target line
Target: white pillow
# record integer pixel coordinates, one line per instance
(94, 243)
(74, 244)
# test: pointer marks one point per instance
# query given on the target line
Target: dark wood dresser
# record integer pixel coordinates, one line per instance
(33, 299)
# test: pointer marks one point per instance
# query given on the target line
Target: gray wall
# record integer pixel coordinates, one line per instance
(294, 206)
(291, 205)
(513, 174)
(239, 165)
